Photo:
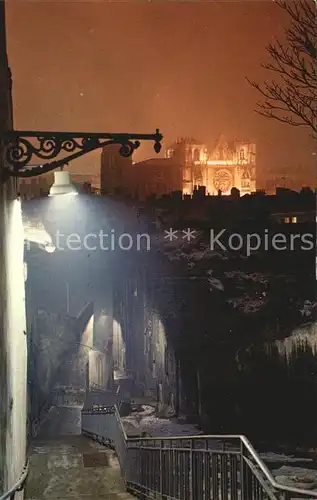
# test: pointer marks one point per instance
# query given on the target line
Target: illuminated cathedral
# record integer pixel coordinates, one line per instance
(228, 165)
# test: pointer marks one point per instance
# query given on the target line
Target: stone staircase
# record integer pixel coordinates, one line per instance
(64, 464)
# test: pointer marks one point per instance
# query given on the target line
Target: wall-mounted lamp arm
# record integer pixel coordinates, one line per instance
(22, 147)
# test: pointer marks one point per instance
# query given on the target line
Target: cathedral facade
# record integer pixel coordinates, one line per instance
(226, 166)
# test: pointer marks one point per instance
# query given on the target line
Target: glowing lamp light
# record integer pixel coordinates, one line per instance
(62, 184)
(49, 248)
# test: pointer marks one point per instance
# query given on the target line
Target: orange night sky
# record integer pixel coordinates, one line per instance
(138, 66)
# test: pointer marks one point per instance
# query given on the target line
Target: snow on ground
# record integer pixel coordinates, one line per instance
(215, 283)
(296, 477)
(147, 421)
(177, 247)
(240, 275)
(279, 457)
(296, 472)
(247, 304)
(198, 250)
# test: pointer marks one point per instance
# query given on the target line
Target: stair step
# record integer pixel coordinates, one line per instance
(71, 466)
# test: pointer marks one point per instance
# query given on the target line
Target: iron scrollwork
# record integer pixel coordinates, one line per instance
(22, 148)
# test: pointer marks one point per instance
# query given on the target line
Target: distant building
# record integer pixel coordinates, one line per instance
(228, 165)
(115, 171)
(187, 167)
(32, 187)
(291, 207)
(84, 180)
(287, 178)
(155, 176)
(258, 208)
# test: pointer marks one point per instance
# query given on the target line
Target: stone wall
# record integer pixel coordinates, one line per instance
(12, 346)
(58, 357)
(101, 359)
(140, 334)
(13, 349)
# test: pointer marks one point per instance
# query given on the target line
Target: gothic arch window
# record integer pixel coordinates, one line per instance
(245, 179)
(196, 155)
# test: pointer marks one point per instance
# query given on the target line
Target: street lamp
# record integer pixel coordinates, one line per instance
(62, 184)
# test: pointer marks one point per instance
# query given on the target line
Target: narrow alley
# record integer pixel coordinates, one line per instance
(64, 464)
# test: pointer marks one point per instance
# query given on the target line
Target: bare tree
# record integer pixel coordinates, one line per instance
(290, 96)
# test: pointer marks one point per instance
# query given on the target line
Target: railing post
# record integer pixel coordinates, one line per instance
(191, 470)
(247, 476)
(242, 469)
(162, 471)
(143, 472)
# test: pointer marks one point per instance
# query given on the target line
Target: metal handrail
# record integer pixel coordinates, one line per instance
(19, 485)
(216, 437)
(259, 462)
(268, 474)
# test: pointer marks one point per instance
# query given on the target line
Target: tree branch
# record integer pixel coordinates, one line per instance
(292, 98)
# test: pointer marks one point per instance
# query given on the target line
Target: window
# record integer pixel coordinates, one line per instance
(294, 220)
(286, 220)
(196, 155)
(170, 153)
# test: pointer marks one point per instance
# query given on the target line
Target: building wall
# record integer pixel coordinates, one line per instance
(155, 176)
(13, 347)
(59, 347)
(101, 361)
(115, 171)
(31, 187)
(188, 164)
(16, 344)
(140, 335)
(76, 375)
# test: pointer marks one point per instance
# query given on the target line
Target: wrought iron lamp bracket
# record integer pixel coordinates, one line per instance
(23, 148)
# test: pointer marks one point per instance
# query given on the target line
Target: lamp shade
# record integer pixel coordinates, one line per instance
(62, 184)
